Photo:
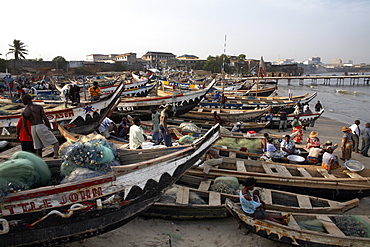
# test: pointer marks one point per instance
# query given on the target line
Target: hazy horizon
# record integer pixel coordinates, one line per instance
(273, 29)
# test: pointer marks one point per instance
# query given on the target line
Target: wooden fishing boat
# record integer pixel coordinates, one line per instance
(78, 210)
(229, 115)
(265, 91)
(341, 184)
(237, 102)
(306, 119)
(129, 156)
(205, 125)
(181, 103)
(332, 226)
(82, 119)
(197, 200)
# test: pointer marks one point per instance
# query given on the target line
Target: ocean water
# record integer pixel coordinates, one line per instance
(344, 103)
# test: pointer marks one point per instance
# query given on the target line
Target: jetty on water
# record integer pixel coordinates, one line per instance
(339, 79)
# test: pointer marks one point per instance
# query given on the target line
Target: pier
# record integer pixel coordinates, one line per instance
(338, 80)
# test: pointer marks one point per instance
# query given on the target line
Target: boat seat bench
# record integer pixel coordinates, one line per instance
(329, 226)
(182, 195)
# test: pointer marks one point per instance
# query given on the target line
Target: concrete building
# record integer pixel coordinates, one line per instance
(336, 61)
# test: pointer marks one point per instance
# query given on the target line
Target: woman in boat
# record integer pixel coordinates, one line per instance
(346, 144)
(254, 209)
(287, 147)
(297, 127)
(313, 140)
(329, 160)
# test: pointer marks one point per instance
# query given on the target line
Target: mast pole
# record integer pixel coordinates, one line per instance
(223, 74)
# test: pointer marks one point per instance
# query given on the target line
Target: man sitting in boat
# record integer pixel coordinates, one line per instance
(329, 160)
(250, 207)
(217, 97)
(237, 128)
(106, 126)
(218, 119)
(94, 91)
(287, 147)
(137, 136)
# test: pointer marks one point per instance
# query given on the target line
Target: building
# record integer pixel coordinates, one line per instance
(102, 58)
(336, 61)
(152, 58)
(127, 58)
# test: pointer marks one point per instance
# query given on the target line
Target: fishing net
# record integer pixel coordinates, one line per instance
(352, 225)
(190, 127)
(92, 152)
(225, 131)
(23, 171)
(186, 139)
(235, 143)
(226, 184)
(312, 225)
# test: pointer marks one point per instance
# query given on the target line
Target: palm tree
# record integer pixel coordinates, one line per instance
(19, 50)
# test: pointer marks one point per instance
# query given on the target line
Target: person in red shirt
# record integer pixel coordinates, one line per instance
(26, 142)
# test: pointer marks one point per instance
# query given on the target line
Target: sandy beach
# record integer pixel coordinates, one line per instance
(220, 232)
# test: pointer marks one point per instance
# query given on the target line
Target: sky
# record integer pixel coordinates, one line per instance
(274, 29)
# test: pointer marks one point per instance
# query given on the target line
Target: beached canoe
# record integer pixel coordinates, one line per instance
(129, 156)
(341, 184)
(331, 230)
(229, 115)
(82, 119)
(306, 119)
(205, 125)
(199, 200)
(140, 106)
(78, 210)
(243, 102)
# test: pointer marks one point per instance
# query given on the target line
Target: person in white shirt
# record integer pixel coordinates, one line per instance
(106, 126)
(356, 135)
(137, 136)
(237, 128)
(287, 147)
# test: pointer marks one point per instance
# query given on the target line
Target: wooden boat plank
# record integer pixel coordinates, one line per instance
(267, 168)
(325, 173)
(204, 185)
(366, 219)
(240, 166)
(293, 223)
(268, 196)
(7, 153)
(182, 195)
(232, 154)
(304, 201)
(352, 174)
(214, 198)
(200, 109)
(304, 172)
(282, 170)
(329, 226)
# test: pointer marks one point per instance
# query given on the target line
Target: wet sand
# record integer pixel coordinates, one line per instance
(219, 232)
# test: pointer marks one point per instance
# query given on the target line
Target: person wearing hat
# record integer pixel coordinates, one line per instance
(329, 160)
(313, 140)
(346, 144)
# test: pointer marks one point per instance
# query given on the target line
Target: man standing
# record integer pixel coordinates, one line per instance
(283, 119)
(365, 137)
(356, 135)
(318, 106)
(155, 121)
(163, 129)
(40, 127)
(26, 142)
(136, 134)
